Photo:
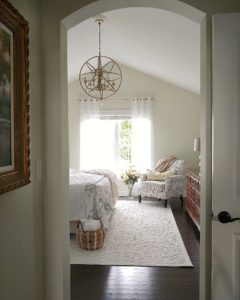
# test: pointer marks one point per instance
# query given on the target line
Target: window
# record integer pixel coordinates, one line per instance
(114, 143)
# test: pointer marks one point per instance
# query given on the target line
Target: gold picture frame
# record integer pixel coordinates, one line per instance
(14, 99)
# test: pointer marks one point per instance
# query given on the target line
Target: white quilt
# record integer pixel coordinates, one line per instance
(92, 196)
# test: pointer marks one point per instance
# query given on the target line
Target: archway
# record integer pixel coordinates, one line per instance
(188, 12)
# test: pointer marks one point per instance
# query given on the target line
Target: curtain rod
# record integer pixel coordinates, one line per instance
(119, 99)
(123, 99)
(116, 99)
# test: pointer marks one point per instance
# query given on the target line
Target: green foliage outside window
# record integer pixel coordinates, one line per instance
(125, 140)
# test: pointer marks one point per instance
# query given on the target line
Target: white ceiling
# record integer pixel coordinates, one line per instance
(156, 42)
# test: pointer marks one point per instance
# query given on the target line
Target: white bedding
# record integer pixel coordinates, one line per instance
(92, 196)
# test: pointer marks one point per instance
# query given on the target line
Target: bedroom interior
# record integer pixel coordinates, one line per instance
(111, 134)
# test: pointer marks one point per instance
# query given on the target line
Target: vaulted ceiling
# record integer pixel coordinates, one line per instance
(157, 42)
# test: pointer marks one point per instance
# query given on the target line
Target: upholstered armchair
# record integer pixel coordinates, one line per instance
(173, 186)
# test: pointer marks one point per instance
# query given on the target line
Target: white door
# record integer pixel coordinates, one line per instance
(226, 156)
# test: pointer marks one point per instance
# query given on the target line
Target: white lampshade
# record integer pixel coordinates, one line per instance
(196, 145)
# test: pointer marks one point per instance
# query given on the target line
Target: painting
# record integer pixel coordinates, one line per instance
(6, 100)
(14, 98)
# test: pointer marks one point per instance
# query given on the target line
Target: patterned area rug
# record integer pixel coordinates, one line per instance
(143, 234)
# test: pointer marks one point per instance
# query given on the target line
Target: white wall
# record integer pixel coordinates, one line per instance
(74, 124)
(21, 248)
(176, 115)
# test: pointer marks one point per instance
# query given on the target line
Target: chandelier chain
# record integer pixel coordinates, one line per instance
(99, 36)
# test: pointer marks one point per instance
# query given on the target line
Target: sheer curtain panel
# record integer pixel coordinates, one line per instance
(89, 129)
(98, 138)
(141, 132)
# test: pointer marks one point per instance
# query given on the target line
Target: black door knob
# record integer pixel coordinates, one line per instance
(225, 217)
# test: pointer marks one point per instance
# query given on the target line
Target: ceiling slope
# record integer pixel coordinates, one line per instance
(154, 41)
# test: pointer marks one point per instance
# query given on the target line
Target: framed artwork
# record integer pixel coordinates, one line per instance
(14, 98)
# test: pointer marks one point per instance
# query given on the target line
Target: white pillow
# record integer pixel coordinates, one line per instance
(154, 175)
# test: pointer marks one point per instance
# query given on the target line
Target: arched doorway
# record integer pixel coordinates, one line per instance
(60, 217)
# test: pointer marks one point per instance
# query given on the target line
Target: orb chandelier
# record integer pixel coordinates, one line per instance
(100, 76)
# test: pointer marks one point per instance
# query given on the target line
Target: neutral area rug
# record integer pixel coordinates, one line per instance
(143, 234)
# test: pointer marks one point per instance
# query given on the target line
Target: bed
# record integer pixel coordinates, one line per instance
(93, 195)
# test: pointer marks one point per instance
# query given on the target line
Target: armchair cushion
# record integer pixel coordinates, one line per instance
(154, 175)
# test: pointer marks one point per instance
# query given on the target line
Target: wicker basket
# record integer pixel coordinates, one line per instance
(90, 240)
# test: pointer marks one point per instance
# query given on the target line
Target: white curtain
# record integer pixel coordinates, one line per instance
(89, 115)
(97, 138)
(141, 133)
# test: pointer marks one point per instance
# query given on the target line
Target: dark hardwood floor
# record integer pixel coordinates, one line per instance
(147, 283)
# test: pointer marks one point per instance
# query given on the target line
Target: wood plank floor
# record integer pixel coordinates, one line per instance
(147, 283)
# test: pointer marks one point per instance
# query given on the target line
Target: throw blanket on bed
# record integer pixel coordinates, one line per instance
(82, 195)
(92, 196)
(164, 163)
(112, 178)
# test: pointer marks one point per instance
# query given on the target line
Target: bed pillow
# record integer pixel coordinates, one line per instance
(154, 175)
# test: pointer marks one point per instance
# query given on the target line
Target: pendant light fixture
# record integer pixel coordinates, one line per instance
(100, 76)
